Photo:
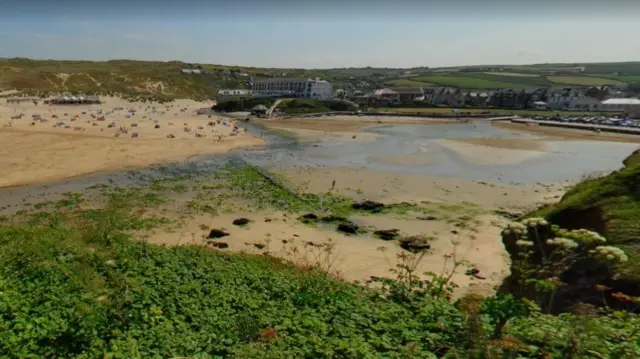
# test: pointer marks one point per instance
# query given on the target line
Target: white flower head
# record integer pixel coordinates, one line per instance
(610, 253)
(565, 243)
(523, 243)
(534, 222)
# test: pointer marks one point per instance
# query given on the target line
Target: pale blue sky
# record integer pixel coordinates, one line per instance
(328, 35)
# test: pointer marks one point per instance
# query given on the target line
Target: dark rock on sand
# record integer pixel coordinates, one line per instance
(387, 234)
(415, 244)
(348, 227)
(369, 206)
(332, 218)
(241, 221)
(221, 245)
(217, 233)
(427, 218)
(308, 218)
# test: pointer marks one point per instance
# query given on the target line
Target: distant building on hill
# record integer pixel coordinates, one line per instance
(292, 87)
(192, 71)
(73, 100)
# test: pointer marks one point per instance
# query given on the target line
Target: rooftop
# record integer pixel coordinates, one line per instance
(621, 101)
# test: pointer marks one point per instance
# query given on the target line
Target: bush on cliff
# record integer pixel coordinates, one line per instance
(302, 106)
(609, 206)
(242, 104)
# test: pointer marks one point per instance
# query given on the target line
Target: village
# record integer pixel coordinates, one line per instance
(601, 99)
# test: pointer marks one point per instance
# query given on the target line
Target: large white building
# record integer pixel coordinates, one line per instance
(630, 106)
(292, 87)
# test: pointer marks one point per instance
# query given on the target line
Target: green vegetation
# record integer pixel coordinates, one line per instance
(242, 104)
(133, 79)
(74, 284)
(302, 106)
(609, 205)
(583, 80)
(407, 82)
(469, 82)
(515, 74)
(164, 81)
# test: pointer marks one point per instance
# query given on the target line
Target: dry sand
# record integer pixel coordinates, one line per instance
(55, 142)
(391, 187)
(357, 258)
(563, 134)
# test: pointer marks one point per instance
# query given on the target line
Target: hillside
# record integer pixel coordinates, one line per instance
(162, 79)
(165, 79)
(525, 76)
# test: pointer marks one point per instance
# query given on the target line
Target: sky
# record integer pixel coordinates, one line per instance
(323, 34)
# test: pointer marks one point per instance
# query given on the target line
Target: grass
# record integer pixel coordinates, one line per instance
(618, 198)
(583, 80)
(408, 83)
(74, 284)
(469, 82)
(621, 78)
(514, 74)
(303, 106)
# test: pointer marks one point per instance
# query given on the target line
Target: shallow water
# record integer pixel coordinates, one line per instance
(563, 161)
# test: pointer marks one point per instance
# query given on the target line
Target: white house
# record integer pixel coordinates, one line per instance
(540, 105)
(192, 71)
(627, 105)
(585, 104)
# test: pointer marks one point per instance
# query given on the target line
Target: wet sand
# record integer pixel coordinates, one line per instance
(349, 123)
(494, 151)
(422, 157)
(55, 142)
(560, 134)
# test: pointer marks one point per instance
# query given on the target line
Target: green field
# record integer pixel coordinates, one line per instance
(514, 74)
(467, 82)
(621, 78)
(583, 80)
(408, 83)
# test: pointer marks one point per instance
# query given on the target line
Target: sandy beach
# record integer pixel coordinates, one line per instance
(461, 222)
(43, 143)
(460, 217)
